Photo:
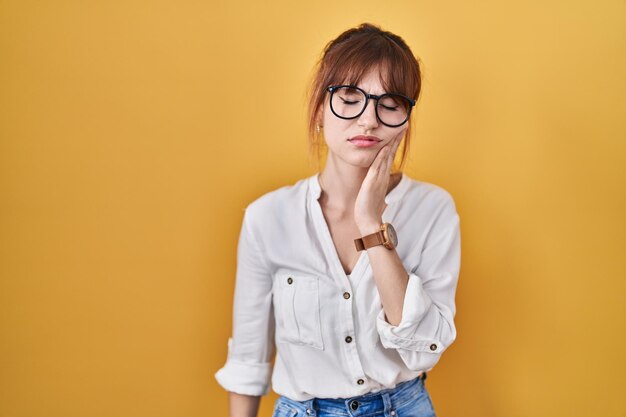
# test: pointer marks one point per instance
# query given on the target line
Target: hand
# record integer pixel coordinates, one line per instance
(370, 202)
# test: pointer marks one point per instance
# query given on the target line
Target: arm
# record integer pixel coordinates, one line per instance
(247, 370)
(240, 405)
(389, 275)
(418, 315)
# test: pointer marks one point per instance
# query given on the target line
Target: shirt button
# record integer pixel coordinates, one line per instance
(354, 405)
(308, 411)
(346, 295)
(360, 381)
(393, 412)
(433, 347)
(348, 339)
(289, 280)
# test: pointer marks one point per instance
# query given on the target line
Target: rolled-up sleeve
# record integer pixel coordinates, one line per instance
(427, 325)
(250, 349)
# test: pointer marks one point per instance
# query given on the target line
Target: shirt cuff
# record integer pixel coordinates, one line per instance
(417, 302)
(249, 378)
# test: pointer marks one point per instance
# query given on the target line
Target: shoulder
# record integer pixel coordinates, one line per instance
(428, 194)
(429, 210)
(278, 202)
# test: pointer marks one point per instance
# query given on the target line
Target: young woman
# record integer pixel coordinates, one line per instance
(348, 276)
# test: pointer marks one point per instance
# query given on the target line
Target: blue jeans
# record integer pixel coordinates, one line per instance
(407, 399)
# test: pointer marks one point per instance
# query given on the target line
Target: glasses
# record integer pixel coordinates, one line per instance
(349, 102)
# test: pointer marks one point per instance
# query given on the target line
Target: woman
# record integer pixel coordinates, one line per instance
(349, 275)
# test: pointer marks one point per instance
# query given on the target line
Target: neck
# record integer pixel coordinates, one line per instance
(341, 186)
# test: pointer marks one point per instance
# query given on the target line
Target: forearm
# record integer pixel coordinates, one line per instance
(243, 405)
(390, 277)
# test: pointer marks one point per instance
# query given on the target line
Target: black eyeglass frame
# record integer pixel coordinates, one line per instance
(334, 88)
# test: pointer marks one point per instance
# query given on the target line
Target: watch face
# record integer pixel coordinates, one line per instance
(390, 235)
(391, 232)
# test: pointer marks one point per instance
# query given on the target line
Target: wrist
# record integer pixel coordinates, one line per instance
(369, 227)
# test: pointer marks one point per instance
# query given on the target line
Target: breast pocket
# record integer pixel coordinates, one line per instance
(297, 309)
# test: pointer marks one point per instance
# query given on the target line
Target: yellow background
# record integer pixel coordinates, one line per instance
(133, 134)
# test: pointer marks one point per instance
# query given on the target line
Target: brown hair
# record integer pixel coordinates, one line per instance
(346, 59)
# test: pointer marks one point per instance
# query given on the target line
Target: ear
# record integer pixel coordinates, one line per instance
(319, 116)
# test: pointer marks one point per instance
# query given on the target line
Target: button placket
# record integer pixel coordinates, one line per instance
(346, 295)
(360, 269)
(352, 354)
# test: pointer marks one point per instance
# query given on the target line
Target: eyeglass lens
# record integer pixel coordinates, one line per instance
(348, 102)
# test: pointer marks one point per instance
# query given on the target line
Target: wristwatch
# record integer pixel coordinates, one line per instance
(386, 236)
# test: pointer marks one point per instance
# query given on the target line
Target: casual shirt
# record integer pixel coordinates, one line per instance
(327, 330)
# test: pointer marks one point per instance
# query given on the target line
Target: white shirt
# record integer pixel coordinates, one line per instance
(328, 329)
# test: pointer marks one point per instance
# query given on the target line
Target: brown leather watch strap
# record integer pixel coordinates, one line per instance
(370, 240)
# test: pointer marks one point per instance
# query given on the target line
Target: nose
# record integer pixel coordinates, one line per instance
(368, 119)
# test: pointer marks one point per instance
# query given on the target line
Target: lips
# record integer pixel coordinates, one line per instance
(367, 138)
(365, 141)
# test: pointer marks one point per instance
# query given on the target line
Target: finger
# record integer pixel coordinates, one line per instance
(374, 169)
(384, 163)
(388, 163)
(392, 154)
(372, 172)
(388, 155)
(380, 157)
(393, 147)
(396, 144)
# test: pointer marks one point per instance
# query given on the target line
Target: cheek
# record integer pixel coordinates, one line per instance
(330, 119)
(335, 129)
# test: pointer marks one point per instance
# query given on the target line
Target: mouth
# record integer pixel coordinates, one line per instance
(364, 141)
(365, 138)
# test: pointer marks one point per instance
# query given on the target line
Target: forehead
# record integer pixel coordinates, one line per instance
(373, 79)
(372, 82)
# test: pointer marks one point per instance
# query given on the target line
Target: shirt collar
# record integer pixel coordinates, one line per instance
(315, 190)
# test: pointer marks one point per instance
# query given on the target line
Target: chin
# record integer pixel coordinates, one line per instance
(360, 160)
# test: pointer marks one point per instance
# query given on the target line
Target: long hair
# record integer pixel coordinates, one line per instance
(347, 58)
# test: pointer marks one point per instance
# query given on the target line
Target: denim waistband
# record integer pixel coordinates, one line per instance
(373, 403)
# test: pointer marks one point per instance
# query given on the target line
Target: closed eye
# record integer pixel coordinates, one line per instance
(347, 101)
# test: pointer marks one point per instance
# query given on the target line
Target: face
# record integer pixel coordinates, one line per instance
(338, 132)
